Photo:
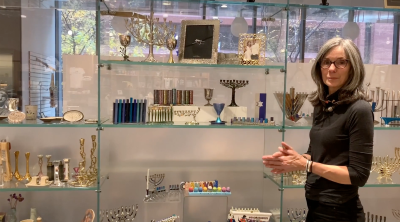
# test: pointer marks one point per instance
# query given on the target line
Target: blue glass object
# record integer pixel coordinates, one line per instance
(218, 108)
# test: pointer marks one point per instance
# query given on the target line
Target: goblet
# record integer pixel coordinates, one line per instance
(125, 41)
(218, 108)
(171, 45)
(208, 94)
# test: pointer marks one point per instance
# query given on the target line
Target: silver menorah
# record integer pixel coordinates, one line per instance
(374, 218)
(193, 113)
(122, 214)
(293, 103)
(169, 219)
(299, 215)
(396, 214)
(385, 102)
(156, 179)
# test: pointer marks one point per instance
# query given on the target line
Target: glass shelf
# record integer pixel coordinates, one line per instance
(289, 185)
(192, 65)
(333, 7)
(182, 125)
(21, 187)
(38, 123)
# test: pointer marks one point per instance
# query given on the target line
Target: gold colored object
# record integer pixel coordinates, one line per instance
(125, 41)
(86, 177)
(27, 176)
(148, 31)
(299, 177)
(293, 103)
(171, 45)
(16, 172)
(385, 167)
(199, 43)
(246, 55)
(16, 117)
(160, 114)
(5, 154)
(193, 113)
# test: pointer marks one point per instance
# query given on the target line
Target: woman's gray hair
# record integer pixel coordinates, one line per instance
(352, 90)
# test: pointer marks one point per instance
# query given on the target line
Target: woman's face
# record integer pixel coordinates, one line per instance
(334, 77)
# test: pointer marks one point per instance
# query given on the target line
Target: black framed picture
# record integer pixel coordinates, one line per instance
(199, 41)
(392, 4)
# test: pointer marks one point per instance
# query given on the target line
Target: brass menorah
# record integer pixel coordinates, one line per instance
(156, 179)
(385, 167)
(396, 214)
(169, 219)
(193, 113)
(147, 30)
(86, 177)
(374, 218)
(299, 215)
(160, 114)
(122, 214)
(234, 84)
(293, 103)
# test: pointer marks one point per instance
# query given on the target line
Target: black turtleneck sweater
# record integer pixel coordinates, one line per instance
(343, 137)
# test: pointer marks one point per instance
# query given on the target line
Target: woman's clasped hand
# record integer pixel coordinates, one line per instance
(285, 160)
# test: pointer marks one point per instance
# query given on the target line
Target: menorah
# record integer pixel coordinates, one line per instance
(299, 215)
(155, 179)
(384, 100)
(293, 103)
(396, 214)
(168, 219)
(374, 218)
(385, 167)
(147, 30)
(86, 177)
(193, 113)
(234, 84)
(123, 214)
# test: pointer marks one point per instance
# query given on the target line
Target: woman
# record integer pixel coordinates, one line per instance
(247, 52)
(339, 156)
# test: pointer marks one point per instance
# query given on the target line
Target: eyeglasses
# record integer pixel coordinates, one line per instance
(340, 63)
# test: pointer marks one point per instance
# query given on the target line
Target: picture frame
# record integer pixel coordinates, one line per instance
(249, 43)
(392, 4)
(199, 41)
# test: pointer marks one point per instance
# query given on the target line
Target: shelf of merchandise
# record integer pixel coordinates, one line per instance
(339, 7)
(182, 125)
(50, 125)
(292, 186)
(21, 187)
(191, 65)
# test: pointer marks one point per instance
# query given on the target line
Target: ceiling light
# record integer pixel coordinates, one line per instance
(215, 17)
(2, 6)
(166, 3)
(23, 16)
(224, 6)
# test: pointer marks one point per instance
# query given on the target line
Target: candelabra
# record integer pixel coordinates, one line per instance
(299, 177)
(385, 167)
(234, 84)
(147, 30)
(156, 179)
(297, 215)
(293, 103)
(123, 214)
(385, 102)
(193, 113)
(86, 177)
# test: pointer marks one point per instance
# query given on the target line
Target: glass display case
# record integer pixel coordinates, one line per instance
(147, 102)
